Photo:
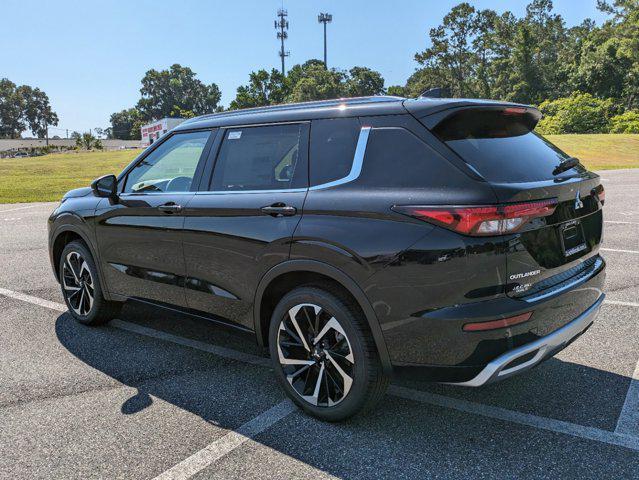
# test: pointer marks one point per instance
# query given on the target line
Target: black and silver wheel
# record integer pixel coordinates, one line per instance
(315, 354)
(81, 286)
(324, 355)
(78, 283)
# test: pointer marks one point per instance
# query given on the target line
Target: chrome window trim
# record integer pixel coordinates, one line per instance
(139, 194)
(356, 167)
(224, 192)
(356, 170)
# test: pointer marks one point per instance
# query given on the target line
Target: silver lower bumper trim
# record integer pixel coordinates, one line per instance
(540, 349)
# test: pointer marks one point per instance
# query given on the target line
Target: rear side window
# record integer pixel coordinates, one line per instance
(262, 158)
(395, 158)
(501, 145)
(333, 144)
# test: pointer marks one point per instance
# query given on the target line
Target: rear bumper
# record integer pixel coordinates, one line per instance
(527, 356)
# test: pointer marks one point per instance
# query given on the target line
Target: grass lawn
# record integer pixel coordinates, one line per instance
(601, 151)
(47, 178)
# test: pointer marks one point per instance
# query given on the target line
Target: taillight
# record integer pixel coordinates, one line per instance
(600, 192)
(481, 220)
(514, 111)
(495, 324)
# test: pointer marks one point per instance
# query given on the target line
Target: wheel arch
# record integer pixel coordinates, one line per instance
(62, 236)
(316, 269)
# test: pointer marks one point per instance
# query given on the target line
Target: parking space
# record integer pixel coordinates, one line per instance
(152, 394)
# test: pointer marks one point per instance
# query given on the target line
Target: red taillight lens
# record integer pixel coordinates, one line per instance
(481, 220)
(495, 324)
(514, 111)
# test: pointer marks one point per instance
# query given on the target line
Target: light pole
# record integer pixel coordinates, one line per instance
(325, 18)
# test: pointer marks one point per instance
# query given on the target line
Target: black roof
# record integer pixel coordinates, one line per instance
(341, 107)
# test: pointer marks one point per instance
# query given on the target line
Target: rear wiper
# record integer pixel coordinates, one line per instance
(567, 164)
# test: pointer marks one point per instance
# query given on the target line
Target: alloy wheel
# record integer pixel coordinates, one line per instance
(78, 284)
(315, 355)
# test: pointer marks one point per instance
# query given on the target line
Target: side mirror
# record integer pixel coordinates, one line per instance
(106, 186)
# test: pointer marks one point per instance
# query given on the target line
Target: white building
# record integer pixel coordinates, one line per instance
(152, 131)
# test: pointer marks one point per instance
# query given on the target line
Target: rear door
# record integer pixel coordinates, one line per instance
(521, 166)
(241, 222)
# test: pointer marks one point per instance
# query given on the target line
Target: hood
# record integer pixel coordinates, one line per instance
(77, 192)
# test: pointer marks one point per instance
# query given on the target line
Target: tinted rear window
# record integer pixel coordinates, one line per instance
(501, 146)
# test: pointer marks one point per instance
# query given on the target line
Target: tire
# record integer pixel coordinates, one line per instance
(81, 287)
(336, 344)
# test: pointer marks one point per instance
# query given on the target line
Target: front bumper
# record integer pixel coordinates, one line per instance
(527, 356)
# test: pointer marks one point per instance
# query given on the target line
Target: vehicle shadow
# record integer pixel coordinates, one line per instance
(399, 439)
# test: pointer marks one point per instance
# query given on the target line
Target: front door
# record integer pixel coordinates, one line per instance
(240, 224)
(140, 235)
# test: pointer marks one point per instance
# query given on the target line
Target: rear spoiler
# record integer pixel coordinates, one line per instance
(431, 112)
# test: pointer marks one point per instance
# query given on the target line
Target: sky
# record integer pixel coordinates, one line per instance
(89, 56)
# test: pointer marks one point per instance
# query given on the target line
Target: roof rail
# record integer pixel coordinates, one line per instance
(296, 106)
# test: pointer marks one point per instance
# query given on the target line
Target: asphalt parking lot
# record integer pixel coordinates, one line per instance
(164, 395)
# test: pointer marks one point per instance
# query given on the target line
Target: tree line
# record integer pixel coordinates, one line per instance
(23, 107)
(583, 78)
(176, 92)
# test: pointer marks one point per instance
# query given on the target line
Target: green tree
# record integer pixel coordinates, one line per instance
(11, 110)
(578, 113)
(37, 111)
(627, 122)
(88, 141)
(176, 89)
(125, 125)
(450, 60)
(609, 56)
(263, 89)
(397, 91)
(312, 81)
(363, 82)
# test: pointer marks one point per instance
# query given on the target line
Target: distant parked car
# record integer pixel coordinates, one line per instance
(21, 155)
(439, 238)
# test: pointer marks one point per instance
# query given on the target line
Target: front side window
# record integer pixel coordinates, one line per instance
(260, 158)
(170, 167)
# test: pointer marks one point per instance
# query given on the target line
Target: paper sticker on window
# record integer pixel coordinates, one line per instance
(235, 135)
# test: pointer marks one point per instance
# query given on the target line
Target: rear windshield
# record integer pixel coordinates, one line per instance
(501, 145)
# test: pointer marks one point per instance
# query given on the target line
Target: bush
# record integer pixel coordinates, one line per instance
(627, 122)
(578, 113)
(88, 142)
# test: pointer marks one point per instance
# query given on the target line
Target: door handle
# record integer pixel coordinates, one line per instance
(279, 210)
(170, 208)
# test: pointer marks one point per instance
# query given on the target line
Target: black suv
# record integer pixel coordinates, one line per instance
(356, 238)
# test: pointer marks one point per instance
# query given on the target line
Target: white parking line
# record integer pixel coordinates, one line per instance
(19, 208)
(498, 413)
(624, 223)
(60, 307)
(628, 423)
(623, 439)
(229, 442)
(187, 342)
(617, 302)
(618, 250)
